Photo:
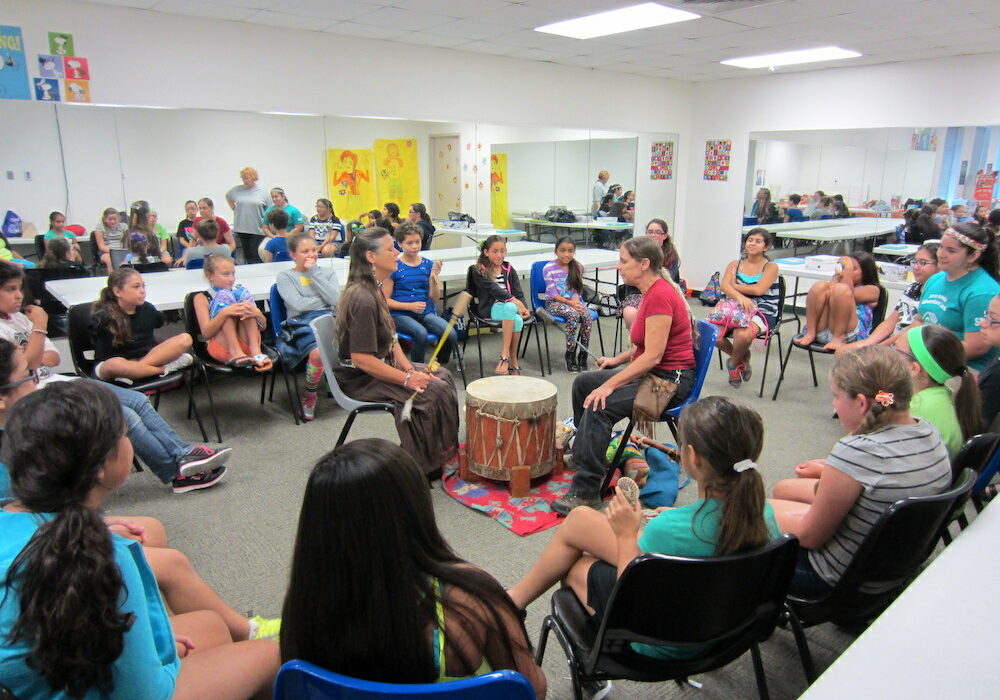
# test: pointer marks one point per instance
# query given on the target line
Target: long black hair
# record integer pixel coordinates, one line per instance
(361, 598)
(68, 583)
(107, 302)
(989, 259)
(574, 275)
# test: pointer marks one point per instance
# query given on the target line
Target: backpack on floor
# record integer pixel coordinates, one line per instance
(712, 292)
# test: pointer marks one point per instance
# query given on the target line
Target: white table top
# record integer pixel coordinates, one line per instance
(574, 224)
(824, 229)
(471, 252)
(899, 249)
(166, 290)
(939, 639)
(803, 273)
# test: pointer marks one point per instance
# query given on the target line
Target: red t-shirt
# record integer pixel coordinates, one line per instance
(220, 238)
(662, 298)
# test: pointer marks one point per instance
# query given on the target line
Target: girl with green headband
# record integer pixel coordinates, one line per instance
(936, 357)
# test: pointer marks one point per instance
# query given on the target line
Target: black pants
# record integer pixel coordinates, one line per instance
(249, 242)
(593, 428)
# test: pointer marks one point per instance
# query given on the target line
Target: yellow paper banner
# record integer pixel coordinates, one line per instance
(398, 176)
(499, 210)
(352, 189)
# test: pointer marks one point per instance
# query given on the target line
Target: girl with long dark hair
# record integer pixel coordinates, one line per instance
(564, 298)
(327, 229)
(630, 296)
(375, 591)
(418, 215)
(497, 288)
(840, 311)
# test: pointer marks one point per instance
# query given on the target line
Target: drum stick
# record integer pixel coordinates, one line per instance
(461, 304)
(673, 453)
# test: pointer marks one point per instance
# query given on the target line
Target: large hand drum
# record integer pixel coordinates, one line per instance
(510, 430)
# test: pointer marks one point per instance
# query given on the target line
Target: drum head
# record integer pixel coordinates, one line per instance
(511, 389)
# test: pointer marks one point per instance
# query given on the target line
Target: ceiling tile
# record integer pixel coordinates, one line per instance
(332, 9)
(429, 39)
(472, 29)
(403, 19)
(281, 19)
(193, 8)
(366, 30)
(489, 47)
(452, 8)
(141, 4)
(764, 15)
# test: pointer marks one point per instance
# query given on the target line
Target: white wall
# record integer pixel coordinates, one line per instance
(863, 97)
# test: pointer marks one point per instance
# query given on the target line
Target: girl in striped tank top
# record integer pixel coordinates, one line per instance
(752, 282)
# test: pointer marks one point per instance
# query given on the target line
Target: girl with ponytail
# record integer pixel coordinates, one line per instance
(80, 613)
(720, 442)
(944, 390)
(887, 455)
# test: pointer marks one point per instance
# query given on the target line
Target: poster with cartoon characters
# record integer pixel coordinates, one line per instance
(77, 90)
(14, 83)
(61, 44)
(499, 209)
(76, 67)
(46, 89)
(397, 174)
(50, 66)
(351, 185)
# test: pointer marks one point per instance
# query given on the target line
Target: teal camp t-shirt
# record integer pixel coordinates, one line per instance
(689, 531)
(294, 216)
(959, 304)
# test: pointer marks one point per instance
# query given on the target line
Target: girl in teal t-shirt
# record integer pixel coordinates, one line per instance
(720, 440)
(57, 229)
(936, 358)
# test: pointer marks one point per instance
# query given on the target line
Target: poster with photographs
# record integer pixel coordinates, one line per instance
(717, 159)
(661, 160)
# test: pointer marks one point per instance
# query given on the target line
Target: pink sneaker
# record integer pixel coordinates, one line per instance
(309, 405)
(735, 375)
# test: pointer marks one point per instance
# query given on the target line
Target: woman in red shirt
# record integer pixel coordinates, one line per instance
(662, 343)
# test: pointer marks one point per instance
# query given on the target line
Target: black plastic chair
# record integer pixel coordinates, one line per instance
(719, 607)
(478, 323)
(159, 266)
(39, 246)
(890, 556)
(36, 278)
(976, 454)
(877, 317)
(81, 348)
(776, 331)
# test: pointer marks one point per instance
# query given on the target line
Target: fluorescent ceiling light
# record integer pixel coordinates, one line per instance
(624, 19)
(789, 58)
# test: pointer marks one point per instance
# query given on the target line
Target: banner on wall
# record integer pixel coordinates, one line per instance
(985, 182)
(397, 175)
(14, 84)
(351, 187)
(924, 140)
(499, 210)
(661, 160)
(717, 159)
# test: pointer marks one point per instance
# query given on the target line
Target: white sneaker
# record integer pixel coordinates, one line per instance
(182, 362)
(596, 690)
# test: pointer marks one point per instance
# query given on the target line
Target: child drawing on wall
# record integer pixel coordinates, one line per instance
(392, 167)
(350, 178)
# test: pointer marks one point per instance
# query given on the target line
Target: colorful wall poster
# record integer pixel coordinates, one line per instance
(924, 140)
(397, 175)
(14, 83)
(661, 160)
(50, 66)
(46, 89)
(499, 210)
(61, 44)
(77, 67)
(351, 186)
(77, 90)
(717, 159)
(985, 182)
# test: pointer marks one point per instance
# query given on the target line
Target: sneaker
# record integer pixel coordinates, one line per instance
(595, 690)
(565, 504)
(735, 375)
(201, 480)
(309, 405)
(746, 371)
(264, 627)
(182, 362)
(201, 459)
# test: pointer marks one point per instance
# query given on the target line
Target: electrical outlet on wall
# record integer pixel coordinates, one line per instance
(10, 174)
(27, 176)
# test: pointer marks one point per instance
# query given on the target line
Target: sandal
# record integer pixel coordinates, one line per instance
(503, 361)
(515, 371)
(262, 362)
(241, 362)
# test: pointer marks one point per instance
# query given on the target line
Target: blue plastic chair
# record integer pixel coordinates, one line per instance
(796, 215)
(196, 264)
(276, 306)
(703, 352)
(537, 294)
(433, 340)
(301, 680)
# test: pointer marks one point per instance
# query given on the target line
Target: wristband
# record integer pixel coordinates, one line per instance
(406, 379)
(40, 330)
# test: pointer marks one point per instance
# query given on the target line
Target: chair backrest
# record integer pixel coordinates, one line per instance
(470, 287)
(537, 284)
(324, 328)
(677, 601)
(158, 266)
(880, 308)
(196, 264)
(707, 333)
(896, 546)
(193, 328)
(796, 215)
(976, 454)
(301, 680)
(40, 245)
(782, 291)
(81, 343)
(277, 307)
(118, 257)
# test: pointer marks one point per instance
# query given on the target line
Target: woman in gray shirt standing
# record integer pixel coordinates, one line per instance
(248, 202)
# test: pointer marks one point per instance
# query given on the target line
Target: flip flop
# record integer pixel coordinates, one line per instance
(241, 362)
(262, 362)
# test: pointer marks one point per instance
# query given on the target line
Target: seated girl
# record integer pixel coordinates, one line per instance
(564, 298)
(720, 441)
(630, 295)
(143, 249)
(202, 244)
(923, 267)
(80, 611)
(887, 455)
(122, 327)
(327, 229)
(840, 311)
(140, 238)
(108, 234)
(229, 318)
(411, 292)
(435, 618)
(936, 357)
(497, 289)
(275, 249)
(308, 291)
(58, 256)
(750, 306)
(57, 231)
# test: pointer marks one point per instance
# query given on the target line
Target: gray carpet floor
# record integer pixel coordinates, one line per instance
(239, 535)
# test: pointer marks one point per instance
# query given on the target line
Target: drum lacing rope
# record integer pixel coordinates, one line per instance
(514, 421)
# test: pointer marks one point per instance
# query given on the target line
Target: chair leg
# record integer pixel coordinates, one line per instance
(548, 357)
(801, 644)
(574, 666)
(617, 459)
(758, 670)
(781, 374)
(479, 348)
(541, 361)
(263, 385)
(812, 366)
(767, 358)
(293, 395)
(347, 427)
(460, 361)
(600, 337)
(543, 638)
(194, 407)
(211, 402)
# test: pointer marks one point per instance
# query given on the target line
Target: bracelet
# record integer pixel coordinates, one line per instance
(409, 373)
(40, 330)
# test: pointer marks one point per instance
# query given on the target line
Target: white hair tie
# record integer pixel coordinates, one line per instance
(743, 465)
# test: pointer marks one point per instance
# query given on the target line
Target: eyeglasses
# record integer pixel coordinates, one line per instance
(988, 321)
(33, 376)
(904, 353)
(922, 263)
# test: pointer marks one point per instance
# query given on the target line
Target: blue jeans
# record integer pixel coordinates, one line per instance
(155, 442)
(418, 327)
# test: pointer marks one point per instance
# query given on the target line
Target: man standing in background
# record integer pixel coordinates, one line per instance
(600, 189)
